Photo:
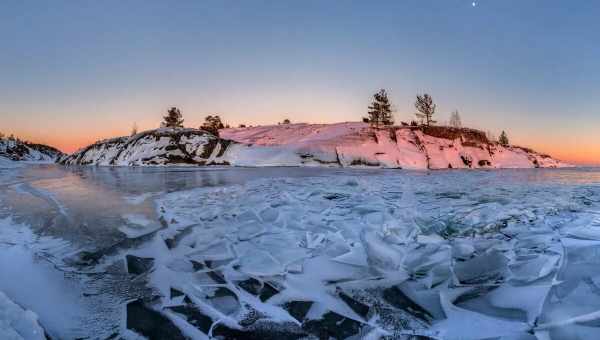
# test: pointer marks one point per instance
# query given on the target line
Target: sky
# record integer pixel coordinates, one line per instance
(73, 72)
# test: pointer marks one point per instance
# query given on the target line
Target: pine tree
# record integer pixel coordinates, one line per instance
(212, 124)
(455, 120)
(173, 119)
(426, 108)
(503, 139)
(380, 110)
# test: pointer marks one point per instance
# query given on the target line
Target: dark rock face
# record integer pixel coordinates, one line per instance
(467, 160)
(164, 146)
(484, 163)
(452, 133)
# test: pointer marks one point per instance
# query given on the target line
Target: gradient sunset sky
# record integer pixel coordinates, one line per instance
(73, 72)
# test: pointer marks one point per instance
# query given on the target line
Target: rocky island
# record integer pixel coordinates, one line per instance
(350, 144)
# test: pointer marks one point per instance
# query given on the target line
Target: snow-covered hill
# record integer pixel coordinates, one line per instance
(342, 144)
(356, 144)
(154, 147)
(12, 150)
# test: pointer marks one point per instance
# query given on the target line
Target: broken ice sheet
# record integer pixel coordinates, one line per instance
(487, 268)
(505, 266)
(138, 225)
(250, 230)
(589, 232)
(355, 256)
(257, 262)
(213, 252)
(534, 267)
(529, 299)
(464, 324)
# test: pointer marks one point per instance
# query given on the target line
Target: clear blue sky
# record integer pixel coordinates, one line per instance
(75, 71)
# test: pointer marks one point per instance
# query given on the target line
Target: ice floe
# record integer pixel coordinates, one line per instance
(342, 254)
(380, 256)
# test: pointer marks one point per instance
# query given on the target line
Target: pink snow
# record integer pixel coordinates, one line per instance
(356, 144)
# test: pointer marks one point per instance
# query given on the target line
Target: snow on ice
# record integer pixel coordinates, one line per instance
(337, 254)
(380, 255)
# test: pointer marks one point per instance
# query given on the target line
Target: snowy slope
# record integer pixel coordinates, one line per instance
(355, 144)
(341, 144)
(154, 147)
(15, 150)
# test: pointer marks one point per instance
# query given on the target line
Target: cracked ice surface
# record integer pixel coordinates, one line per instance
(17, 323)
(449, 255)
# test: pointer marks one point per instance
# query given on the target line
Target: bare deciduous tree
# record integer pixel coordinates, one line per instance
(134, 129)
(455, 120)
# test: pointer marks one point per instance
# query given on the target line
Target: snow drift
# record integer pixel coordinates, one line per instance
(337, 145)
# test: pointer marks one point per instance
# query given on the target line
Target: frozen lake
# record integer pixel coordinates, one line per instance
(297, 252)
